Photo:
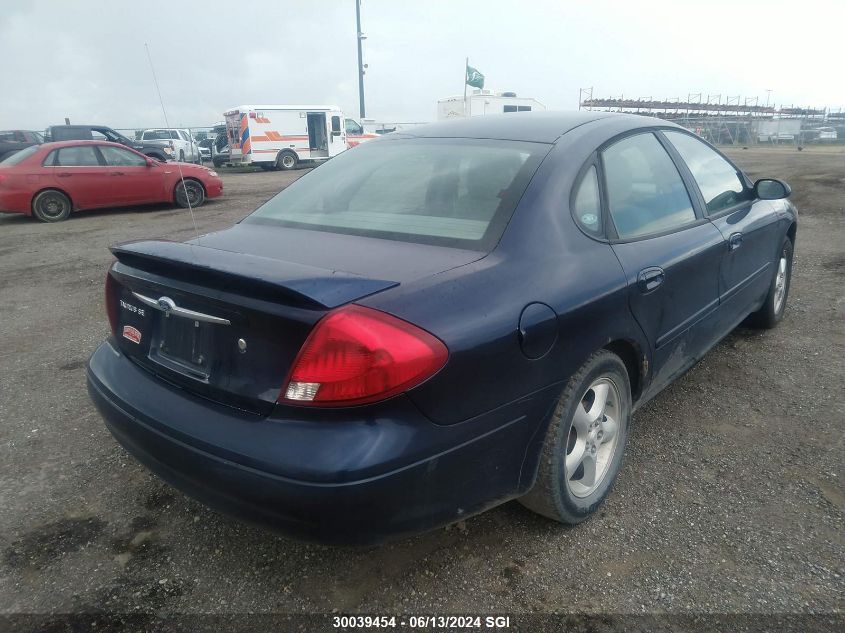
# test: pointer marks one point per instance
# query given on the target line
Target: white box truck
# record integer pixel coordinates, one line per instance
(481, 102)
(283, 136)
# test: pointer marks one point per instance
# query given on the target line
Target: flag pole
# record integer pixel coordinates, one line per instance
(466, 70)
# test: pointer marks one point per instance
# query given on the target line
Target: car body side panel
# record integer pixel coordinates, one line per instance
(139, 185)
(679, 317)
(88, 187)
(747, 269)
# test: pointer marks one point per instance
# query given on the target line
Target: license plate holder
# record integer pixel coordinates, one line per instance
(184, 345)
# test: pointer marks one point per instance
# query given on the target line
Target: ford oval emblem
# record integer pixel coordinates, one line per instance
(166, 304)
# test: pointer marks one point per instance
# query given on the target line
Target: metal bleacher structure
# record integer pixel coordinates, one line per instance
(723, 119)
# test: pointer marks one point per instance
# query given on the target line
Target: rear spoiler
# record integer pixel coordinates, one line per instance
(309, 286)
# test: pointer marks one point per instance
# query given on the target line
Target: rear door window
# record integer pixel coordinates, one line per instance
(718, 180)
(645, 192)
(79, 156)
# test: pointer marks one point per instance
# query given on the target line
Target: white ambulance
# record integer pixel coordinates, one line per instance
(283, 136)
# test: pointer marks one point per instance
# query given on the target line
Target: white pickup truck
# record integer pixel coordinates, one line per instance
(177, 144)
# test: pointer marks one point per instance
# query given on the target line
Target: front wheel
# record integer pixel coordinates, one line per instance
(189, 194)
(585, 441)
(774, 306)
(51, 206)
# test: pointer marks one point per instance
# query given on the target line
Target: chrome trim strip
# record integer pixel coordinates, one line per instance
(181, 312)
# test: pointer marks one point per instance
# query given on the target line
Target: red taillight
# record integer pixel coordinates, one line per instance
(357, 355)
(111, 302)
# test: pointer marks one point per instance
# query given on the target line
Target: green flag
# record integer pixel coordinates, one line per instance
(474, 78)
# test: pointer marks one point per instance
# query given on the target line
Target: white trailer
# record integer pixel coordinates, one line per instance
(282, 136)
(481, 102)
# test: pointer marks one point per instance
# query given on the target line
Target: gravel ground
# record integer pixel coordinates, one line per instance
(731, 499)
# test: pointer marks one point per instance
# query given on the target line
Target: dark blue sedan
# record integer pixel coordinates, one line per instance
(437, 322)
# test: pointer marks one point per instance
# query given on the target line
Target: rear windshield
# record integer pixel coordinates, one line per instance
(160, 135)
(17, 157)
(451, 192)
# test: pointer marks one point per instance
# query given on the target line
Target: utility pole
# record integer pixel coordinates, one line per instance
(360, 60)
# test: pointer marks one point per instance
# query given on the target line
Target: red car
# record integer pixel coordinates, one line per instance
(49, 181)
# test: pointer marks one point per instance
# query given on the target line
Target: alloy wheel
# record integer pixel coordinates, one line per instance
(592, 440)
(780, 283)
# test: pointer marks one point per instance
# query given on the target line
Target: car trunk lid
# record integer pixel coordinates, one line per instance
(224, 325)
(225, 315)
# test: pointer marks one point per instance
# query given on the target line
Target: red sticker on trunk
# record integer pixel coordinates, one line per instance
(131, 333)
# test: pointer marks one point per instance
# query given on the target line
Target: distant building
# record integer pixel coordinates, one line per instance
(778, 130)
(481, 102)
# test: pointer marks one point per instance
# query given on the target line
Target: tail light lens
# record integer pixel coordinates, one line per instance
(357, 355)
(111, 302)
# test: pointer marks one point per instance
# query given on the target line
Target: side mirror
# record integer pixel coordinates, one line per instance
(150, 162)
(771, 189)
(336, 133)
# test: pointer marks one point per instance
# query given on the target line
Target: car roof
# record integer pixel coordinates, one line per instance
(537, 127)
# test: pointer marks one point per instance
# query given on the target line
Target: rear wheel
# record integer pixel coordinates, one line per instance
(51, 206)
(584, 443)
(775, 304)
(286, 161)
(189, 193)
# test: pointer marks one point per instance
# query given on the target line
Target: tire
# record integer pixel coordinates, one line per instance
(774, 305)
(571, 496)
(51, 205)
(191, 190)
(286, 161)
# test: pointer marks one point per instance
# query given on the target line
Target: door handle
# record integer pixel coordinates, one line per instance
(64, 175)
(117, 173)
(735, 241)
(650, 279)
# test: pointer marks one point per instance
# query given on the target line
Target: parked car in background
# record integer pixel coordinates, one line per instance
(434, 323)
(205, 146)
(356, 134)
(220, 156)
(50, 181)
(12, 141)
(103, 133)
(179, 144)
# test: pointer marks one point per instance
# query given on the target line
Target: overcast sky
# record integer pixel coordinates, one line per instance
(86, 60)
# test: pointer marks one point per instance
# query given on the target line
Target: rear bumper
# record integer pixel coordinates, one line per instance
(361, 475)
(16, 201)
